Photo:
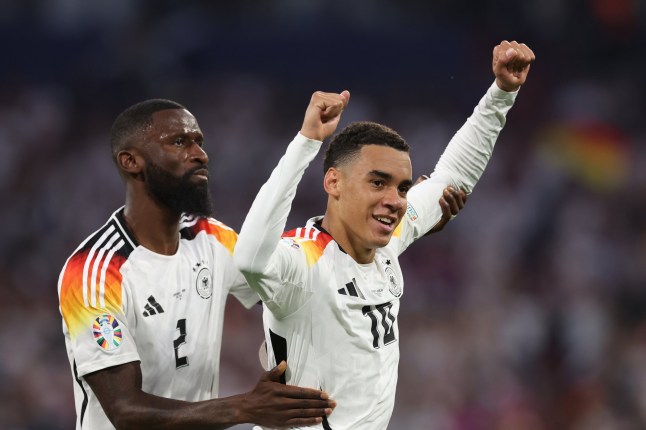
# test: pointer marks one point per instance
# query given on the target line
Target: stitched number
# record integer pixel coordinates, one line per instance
(181, 339)
(382, 324)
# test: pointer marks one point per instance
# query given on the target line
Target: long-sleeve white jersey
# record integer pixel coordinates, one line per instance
(332, 319)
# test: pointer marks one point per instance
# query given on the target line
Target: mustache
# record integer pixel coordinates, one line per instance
(193, 170)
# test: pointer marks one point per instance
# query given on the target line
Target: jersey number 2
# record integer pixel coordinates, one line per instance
(382, 324)
(179, 341)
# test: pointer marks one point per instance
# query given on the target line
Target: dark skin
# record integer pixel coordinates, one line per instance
(174, 142)
(270, 403)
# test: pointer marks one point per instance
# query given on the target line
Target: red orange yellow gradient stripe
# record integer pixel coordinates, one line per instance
(225, 235)
(78, 314)
(311, 241)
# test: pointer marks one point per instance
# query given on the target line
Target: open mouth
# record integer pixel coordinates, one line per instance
(386, 221)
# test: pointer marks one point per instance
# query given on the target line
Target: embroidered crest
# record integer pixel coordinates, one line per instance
(203, 281)
(393, 286)
(107, 332)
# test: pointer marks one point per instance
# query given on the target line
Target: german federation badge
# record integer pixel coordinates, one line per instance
(393, 285)
(203, 282)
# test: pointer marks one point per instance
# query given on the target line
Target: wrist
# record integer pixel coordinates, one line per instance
(308, 137)
(240, 413)
(507, 87)
(310, 134)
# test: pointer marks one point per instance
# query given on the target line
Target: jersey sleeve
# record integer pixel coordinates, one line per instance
(241, 290)
(275, 269)
(461, 165)
(92, 305)
(225, 241)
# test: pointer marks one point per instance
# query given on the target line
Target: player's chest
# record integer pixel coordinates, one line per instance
(363, 300)
(164, 291)
(369, 284)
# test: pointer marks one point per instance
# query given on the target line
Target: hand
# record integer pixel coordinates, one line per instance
(323, 114)
(451, 202)
(511, 63)
(273, 404)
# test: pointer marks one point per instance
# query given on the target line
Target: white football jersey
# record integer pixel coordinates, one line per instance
(335, 322)
(121, 302)
(332, 319)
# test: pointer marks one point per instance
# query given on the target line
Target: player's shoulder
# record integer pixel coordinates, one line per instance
(191, 226)
(99, 257)
(111, 238)
(310, 233)
(312, 240)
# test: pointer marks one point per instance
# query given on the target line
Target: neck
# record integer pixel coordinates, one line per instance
(343, 237)
(155, 227)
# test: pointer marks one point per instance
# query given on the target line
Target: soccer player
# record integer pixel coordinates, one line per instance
(331, 289)
(142, 299)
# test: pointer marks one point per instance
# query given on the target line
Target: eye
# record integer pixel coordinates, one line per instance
(404, 188)
(179, 141)
(378, 183)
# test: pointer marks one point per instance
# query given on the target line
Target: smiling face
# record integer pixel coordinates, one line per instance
(367, 199)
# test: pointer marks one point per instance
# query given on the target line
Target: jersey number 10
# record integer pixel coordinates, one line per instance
(382, 324)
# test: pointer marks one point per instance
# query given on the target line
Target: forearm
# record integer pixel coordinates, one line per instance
(149, 411)
(468, 153)
(119, 392)
(267, 217)
(270, 403)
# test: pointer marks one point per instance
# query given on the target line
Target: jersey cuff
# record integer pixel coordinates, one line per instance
(499, 94)
(305, 140)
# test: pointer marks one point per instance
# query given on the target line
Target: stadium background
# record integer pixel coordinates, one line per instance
(527, 312)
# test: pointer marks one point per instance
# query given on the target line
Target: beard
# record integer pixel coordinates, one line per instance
(178, 193)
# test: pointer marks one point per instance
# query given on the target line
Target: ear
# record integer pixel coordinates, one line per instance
(130, 162)
(332, 182)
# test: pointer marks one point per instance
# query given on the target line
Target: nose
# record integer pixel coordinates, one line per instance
(393, 200)
(198, 154)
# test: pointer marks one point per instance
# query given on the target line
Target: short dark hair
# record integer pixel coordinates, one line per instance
(134, 119)
(347, 144)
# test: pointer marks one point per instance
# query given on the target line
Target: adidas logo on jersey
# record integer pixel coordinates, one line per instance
(351, 289)
(152, 307)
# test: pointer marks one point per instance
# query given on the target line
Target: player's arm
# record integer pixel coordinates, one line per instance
(467, 154)
(270, 403)
(451, 203)
(255, 252)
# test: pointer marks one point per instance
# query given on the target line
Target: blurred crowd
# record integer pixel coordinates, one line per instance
(527, 312)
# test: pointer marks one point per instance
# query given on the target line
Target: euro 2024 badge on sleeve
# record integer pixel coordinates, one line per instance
(107, 332)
